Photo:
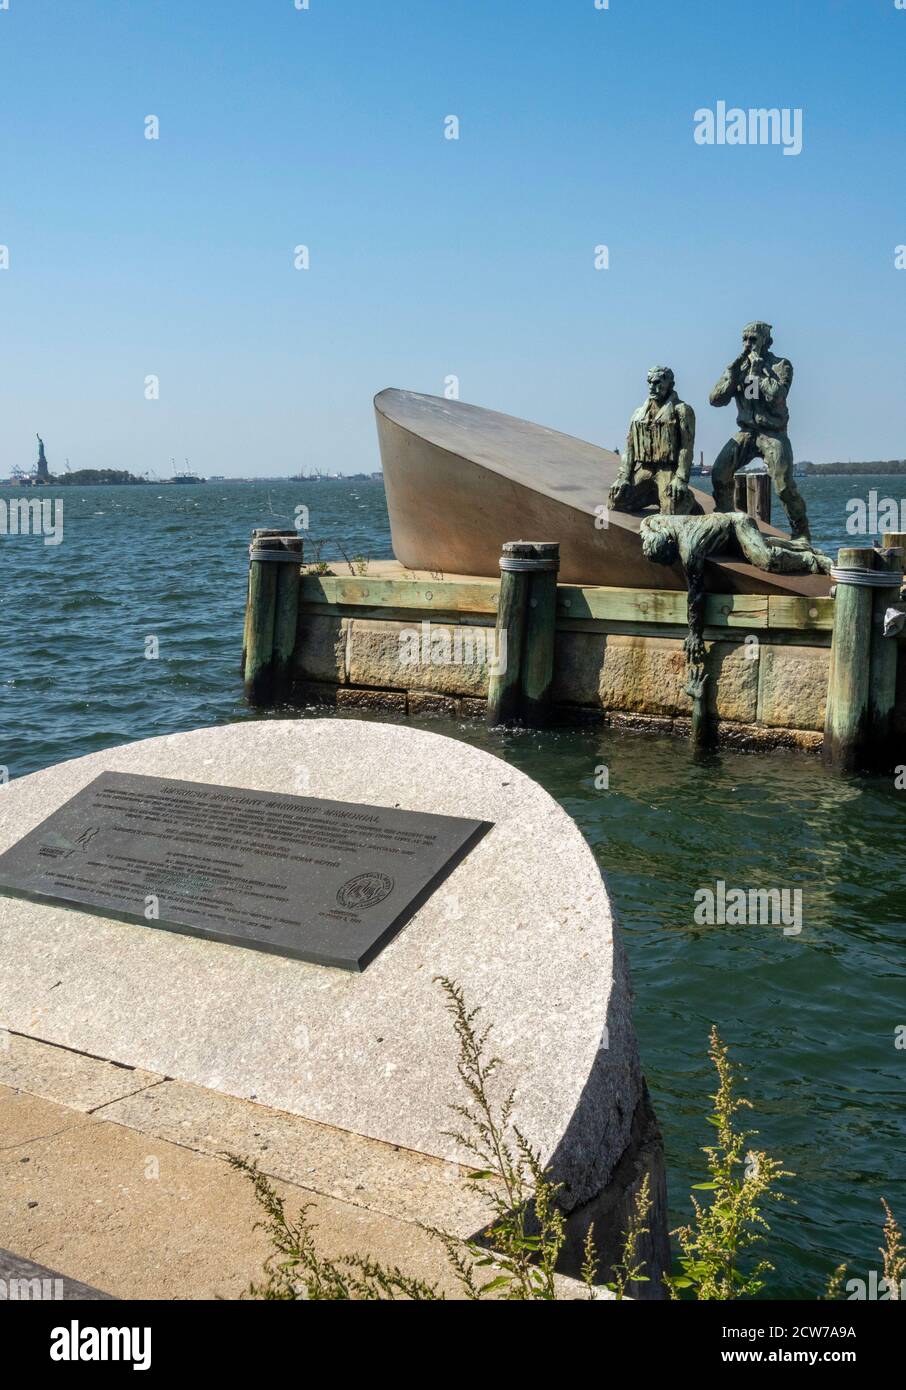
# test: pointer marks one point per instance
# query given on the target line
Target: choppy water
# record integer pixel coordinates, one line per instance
(812, 1016)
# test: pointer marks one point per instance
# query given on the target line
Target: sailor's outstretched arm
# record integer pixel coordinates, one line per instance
(752, 543)
(778, 559)
(694, 644)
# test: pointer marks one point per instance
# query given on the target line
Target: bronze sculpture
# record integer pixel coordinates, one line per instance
(461, 480)
(659, 453)
(694, 539)
(759, 383)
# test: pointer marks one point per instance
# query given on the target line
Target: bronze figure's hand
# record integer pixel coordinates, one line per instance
(695, 685)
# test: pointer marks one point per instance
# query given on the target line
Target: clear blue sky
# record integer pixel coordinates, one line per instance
(432, 257)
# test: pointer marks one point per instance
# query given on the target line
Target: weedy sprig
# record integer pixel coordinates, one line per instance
(526, 1232)
(295, 1271)
(517, 1256)
(893, 1253)
(714, 1247)
(630, 1268)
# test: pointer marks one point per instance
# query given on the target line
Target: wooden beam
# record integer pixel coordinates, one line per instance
(465, 596)
(793, 611)
(622, 605)
(658, 606)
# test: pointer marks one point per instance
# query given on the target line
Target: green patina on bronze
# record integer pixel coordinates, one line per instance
(660, 449)
(695, 539)
(759, 383)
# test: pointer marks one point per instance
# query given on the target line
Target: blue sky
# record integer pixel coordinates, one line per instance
(431, 257)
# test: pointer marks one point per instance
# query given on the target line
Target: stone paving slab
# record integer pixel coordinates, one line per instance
(26, 1118)
(336, 1163)
(72, 1078)
(142, 1217)
(402, 1184)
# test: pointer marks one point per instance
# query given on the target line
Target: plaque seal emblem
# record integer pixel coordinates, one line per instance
(365, 890)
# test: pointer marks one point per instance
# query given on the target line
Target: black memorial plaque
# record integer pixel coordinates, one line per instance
(324, 881)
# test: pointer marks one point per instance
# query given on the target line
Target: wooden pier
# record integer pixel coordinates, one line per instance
(783, 670)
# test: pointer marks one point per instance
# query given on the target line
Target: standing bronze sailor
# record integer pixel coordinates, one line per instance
(759, 383)
(659, 453)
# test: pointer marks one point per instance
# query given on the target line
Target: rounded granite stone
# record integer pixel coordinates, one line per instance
(523, 924)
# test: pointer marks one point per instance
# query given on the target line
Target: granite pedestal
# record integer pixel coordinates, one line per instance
(523, 924)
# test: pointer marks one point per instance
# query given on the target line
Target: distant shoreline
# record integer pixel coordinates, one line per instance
(98, 478)
(891, 468)
(102, 477)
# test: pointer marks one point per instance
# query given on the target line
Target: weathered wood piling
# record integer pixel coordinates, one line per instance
(271, 615)
(752, 494)
(884, 654)
(286, 618)
(520, 687)
(863, 664)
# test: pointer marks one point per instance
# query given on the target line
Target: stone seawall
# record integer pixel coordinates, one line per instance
(422, 645)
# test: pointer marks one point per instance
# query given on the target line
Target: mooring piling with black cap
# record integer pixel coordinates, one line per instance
(752, 495)
(862, 680)
(883, 657)
(519, 689)
(271, 615)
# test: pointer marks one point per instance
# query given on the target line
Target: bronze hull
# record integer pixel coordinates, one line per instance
(461, 480)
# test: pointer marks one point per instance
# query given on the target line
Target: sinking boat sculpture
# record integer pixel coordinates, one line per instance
(461, 480)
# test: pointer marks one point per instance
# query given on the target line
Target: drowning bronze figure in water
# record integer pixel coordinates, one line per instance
(695, 539)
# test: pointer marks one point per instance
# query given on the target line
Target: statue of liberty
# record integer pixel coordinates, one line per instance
(43, 473)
